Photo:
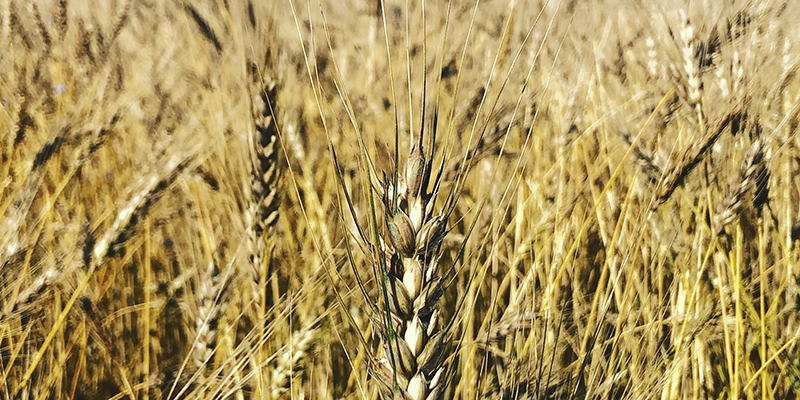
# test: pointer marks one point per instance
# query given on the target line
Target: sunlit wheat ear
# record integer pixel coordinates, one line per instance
(411, 286)
(689, 62)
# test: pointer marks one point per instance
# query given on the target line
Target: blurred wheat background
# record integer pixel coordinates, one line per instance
(173, 223)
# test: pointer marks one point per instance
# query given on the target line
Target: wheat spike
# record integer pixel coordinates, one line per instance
(265, 161)
(749, 188)
(288, 358)
(262, 191)
(690, 159)
(208, 313)
(409, 327)
(689, 60)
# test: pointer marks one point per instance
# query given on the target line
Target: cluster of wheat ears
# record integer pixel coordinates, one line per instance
(416, 200)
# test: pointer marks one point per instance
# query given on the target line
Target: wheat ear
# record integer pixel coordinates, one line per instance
(264, 197)
(692, 156)
(411, 285)
(288, 358)
(208, 314)
(750, 187)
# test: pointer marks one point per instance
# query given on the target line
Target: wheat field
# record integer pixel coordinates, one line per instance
(386, 199)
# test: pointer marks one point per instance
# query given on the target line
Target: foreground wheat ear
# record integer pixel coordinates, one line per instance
(406, 263)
